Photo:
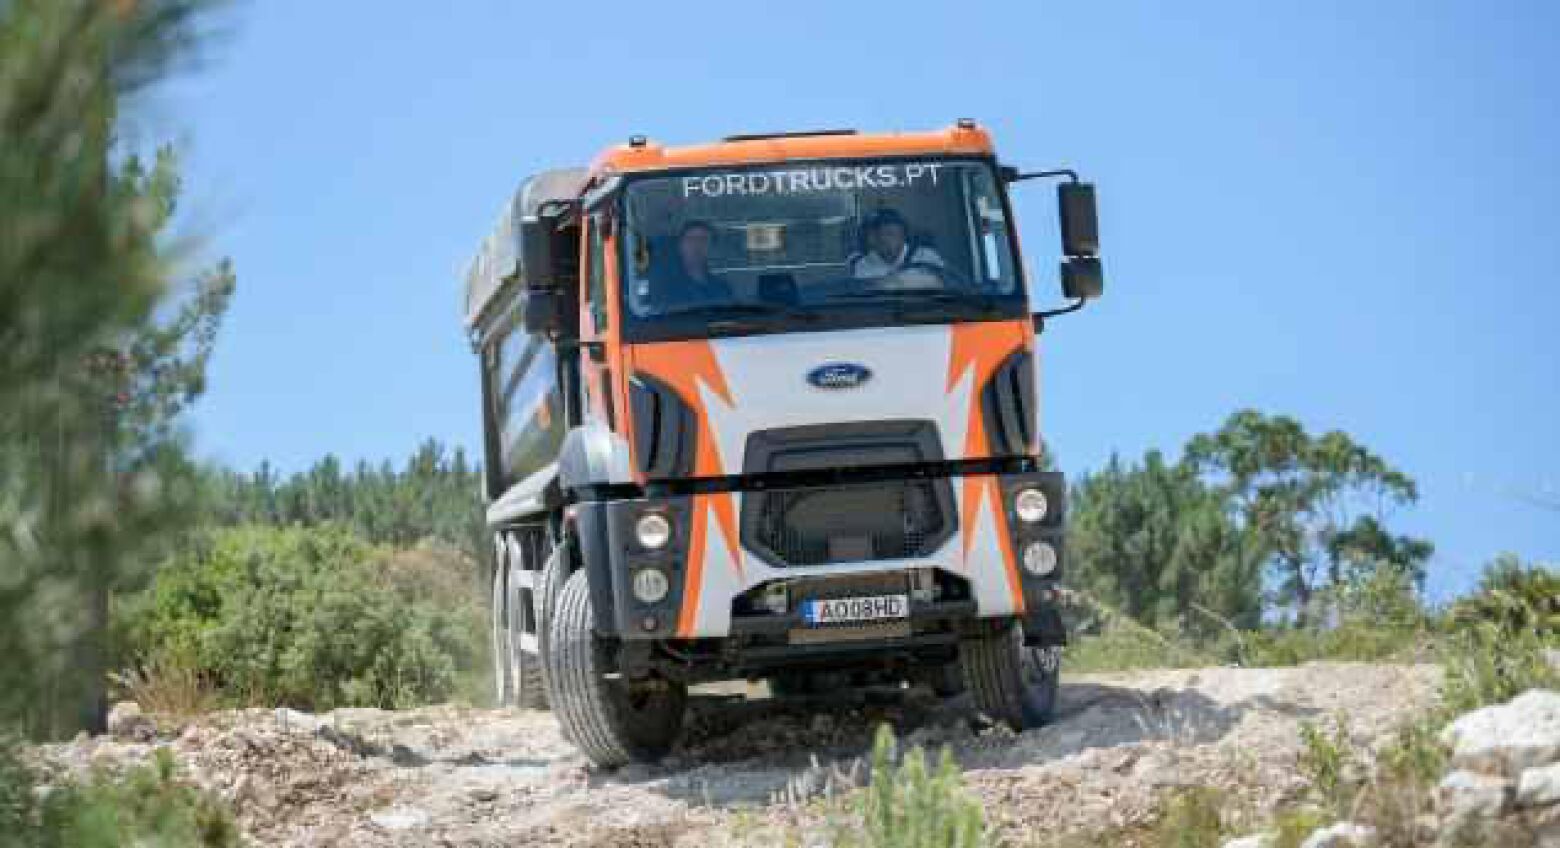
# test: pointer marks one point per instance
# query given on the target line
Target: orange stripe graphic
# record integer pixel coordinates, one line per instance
(981, 348)
(683, 366)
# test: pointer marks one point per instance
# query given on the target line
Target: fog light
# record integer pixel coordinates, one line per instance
(650, 585)
(1039, 559)
(1031, 505)
(653, 531)
(774, 598)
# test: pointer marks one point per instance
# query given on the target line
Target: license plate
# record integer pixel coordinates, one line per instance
(841, 610)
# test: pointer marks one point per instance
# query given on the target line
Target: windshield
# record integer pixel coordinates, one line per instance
(813, 245)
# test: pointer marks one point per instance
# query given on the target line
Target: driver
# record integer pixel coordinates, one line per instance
(888, 248)
(689, 281)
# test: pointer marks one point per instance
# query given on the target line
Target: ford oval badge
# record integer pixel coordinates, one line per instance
(839, 375)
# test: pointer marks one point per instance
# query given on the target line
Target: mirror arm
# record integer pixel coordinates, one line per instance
(1012, 175)
(1052, 313)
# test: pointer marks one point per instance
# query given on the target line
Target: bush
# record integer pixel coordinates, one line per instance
(146, 805)
(909, 805)
(1497, 648)
(1193, 818)
(312, 617)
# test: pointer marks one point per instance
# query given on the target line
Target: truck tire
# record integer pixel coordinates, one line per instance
(503, 664)
(1015, 689)
(611, 721)
(549, 582)
(525, 676)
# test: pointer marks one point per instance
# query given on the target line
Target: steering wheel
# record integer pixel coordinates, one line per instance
(946, 277)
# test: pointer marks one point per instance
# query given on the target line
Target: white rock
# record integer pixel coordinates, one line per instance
(1340, 835)
(1508, 738)
(1258, 840)
(1464, 793)
(400, 818)
(297, 721)
(126, 721)
(1539, 787)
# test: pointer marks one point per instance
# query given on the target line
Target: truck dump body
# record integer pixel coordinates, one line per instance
(524, 407)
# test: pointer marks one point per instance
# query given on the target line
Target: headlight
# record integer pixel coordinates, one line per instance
(653, 531)
(1031, 505)
(650, 585)
(1039, 558)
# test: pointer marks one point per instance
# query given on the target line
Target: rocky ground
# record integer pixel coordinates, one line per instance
(751, 765)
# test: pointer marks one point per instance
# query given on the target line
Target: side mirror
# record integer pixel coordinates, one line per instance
(543, 311)
(1082, 278)
(1080, 223)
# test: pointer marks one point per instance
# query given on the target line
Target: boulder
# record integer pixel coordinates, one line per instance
(1341, 835)
(400, 818)
(1539, 787)
(1468, 793)
(126, 721)
(297, 721)
(1257, 840)
(1509, 738)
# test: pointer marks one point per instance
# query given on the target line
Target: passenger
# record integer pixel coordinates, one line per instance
(689, 281)
(888, 248)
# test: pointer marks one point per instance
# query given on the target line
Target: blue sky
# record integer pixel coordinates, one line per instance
(1341, 211)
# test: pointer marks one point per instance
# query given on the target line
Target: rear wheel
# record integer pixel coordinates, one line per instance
(1013, 684)
(526, 674)
(503, 664)
(611, 720)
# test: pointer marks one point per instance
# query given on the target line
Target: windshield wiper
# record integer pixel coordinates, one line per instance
(983, 302)
(743, 317)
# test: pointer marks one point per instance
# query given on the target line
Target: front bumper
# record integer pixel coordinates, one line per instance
(709, 566)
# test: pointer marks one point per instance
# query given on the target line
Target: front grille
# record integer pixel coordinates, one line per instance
(848, 586)
(849, 523)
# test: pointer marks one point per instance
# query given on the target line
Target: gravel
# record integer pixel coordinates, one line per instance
(750, 765)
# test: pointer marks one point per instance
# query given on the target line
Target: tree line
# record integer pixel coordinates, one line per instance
(1258, 521)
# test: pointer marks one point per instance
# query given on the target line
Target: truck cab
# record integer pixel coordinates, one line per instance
(766, 408)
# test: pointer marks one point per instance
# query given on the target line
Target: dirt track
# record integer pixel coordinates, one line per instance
(453, 776)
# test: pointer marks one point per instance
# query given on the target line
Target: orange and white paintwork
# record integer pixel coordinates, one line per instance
(737, 386)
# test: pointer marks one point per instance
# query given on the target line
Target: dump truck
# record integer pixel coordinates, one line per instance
(766, 409)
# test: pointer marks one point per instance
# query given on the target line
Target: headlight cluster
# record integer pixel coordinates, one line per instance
(653, 531)
(1032, 507)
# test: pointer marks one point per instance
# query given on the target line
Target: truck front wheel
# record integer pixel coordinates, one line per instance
(1013, 684)
(611, 720)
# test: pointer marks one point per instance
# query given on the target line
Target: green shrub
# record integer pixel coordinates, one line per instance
(909, 805)
(1329, 763)
(16, 795)
(146, 805)
(312, 617)
(1193, 818)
